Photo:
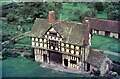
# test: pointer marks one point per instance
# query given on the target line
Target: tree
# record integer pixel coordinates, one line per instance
(113, 11)
(114, 15)
(90, 13)
(99, 6)
(10, 17)
(79, 15)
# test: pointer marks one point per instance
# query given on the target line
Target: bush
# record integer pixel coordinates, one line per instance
(114, 15)
(90, 13)
(10, 17)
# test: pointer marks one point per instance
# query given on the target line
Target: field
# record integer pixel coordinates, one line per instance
(114, 58)
(24, 67)
(5, 2)
(69, 9)
(105, 43)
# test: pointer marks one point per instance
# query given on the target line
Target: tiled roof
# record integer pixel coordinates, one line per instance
(72, 32)
(96, 58)
(104, 25)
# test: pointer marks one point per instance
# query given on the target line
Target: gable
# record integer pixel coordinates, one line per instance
(40, 27)
(52, 34)
(69, 32)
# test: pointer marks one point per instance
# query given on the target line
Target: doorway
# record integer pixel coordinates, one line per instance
(55, 57)
(88, 67)
(66, 62)
(45, 57)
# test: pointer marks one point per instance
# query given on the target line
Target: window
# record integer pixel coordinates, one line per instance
(73, 61)
(53, 43)
(53, 33)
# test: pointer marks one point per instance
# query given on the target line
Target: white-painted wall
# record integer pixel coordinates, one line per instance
(114, 35)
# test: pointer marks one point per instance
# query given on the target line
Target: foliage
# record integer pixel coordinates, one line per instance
(90, 13)
(10, 30)
(10, 17)
(99, 6)
(114, 15)
(113, 11)
(28, 11)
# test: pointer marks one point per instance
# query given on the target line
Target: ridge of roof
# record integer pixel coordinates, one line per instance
(108, 20)
(103, 25)
(75, 36)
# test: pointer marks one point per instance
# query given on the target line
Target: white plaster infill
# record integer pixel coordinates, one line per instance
(60, 68)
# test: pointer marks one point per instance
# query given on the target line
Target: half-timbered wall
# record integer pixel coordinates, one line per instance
(39, 54)
(105, 33)
(114, 35)
(70, 59)
(53, 41)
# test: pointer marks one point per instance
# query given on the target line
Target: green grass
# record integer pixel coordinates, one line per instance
(105, 43)
(68, 9)
(24, 67)
(102, 15)
(114, 58)
(25, 41)
(5, 2)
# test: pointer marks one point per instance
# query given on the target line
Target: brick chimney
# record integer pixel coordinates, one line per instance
(51, 17)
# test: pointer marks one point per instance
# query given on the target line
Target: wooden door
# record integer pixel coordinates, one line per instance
(55, 57)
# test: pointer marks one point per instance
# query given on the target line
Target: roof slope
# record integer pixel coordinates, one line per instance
(96, 58)
(104, 25)
(71, 32)
(40, 27)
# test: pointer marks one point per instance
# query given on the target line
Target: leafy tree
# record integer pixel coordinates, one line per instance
(10, 17)
(99, 6)
(110, 8)
(114, 15)
(90, 13)
(113, 11)
(79, 14)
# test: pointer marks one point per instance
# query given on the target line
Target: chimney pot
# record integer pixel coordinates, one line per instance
(51, 17)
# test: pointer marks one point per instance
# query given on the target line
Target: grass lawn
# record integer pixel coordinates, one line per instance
(105, 43)
(102, 15)
(69, 9)
(24, 67)
(25, 41)
(5, 2)
(114, 58)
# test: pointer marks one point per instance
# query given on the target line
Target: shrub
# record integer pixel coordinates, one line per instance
(10, 17)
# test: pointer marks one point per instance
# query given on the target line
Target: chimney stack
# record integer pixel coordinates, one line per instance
(51, 17)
